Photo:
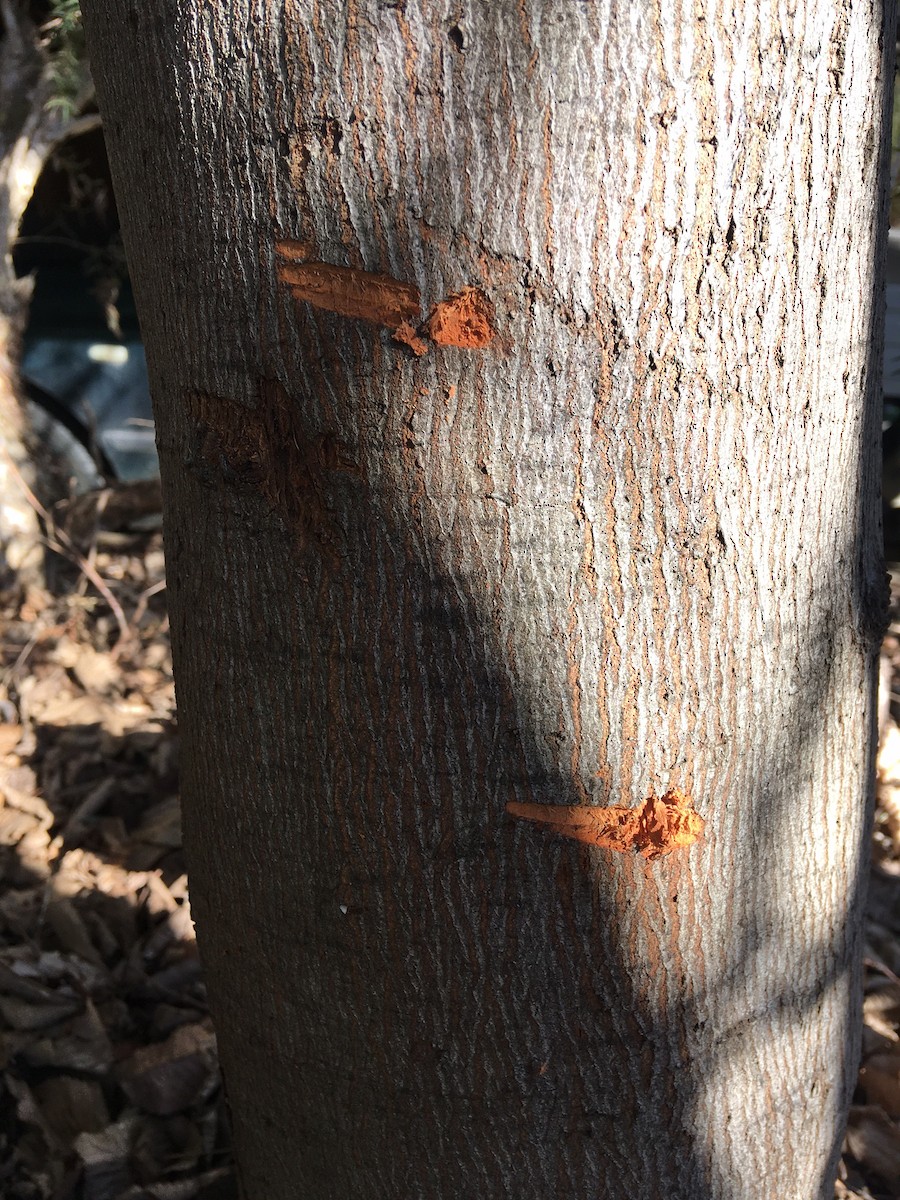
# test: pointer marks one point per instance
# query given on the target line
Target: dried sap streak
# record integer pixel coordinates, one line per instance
(654, 828)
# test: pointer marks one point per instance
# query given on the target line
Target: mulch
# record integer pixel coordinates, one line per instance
(110, 1085)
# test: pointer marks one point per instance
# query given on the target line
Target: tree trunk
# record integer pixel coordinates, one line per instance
(516, 371)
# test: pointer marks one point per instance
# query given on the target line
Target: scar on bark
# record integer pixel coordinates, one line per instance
(654, 828)
(464, 319)
(265, 450)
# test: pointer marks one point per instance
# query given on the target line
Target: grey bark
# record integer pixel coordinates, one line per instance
(632, 543)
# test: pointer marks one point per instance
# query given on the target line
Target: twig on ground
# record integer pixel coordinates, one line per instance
(59, 541)
(141, 606)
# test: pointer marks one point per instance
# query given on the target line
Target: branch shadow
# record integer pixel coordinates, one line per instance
(438, 1002)
(469, 998)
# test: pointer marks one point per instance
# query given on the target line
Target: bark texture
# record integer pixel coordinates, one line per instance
(629, 543)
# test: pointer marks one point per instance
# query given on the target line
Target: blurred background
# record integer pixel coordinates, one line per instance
(82, 352)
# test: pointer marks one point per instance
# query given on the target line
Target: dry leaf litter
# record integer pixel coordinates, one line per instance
(110, 1088)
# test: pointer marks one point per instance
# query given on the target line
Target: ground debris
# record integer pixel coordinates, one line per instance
(870, 1167)
(108, 1067)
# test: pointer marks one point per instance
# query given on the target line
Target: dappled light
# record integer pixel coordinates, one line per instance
(110, 1066)
(110, 1055)
(515, 393)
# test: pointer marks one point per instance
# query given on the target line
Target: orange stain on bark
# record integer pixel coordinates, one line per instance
(406, 334)
(656, 827)
(352, 293)
(465, 319)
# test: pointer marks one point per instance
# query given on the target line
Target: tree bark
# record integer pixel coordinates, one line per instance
(604, 525)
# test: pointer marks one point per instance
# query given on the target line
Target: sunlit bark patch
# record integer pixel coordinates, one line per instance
(656, 827)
